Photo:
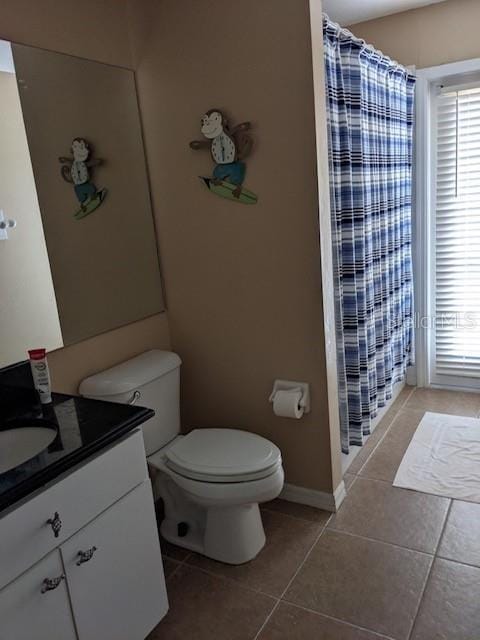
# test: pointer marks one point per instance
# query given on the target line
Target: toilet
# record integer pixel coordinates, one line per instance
(211, 480)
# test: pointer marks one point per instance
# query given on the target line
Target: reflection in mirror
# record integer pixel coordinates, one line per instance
(28, 309)
(72, 269)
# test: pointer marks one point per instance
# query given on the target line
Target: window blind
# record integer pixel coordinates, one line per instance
(456, 252)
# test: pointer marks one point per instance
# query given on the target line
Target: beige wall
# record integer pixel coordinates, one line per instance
(95, 29)
(99, 31)
(316, 25)
(26, 282)
(429, 36)
(243, 283)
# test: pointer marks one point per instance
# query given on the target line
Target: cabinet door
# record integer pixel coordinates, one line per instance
(28, 610)
(118, 591)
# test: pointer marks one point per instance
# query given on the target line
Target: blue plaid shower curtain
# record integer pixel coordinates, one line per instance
(370, 102)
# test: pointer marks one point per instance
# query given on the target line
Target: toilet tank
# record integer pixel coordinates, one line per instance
(151, 380)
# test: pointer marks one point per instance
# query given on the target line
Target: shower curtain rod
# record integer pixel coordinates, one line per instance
(351, 36)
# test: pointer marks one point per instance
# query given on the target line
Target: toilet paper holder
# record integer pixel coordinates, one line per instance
(291, 385)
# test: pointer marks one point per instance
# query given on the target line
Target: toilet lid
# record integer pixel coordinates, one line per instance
(223, 455)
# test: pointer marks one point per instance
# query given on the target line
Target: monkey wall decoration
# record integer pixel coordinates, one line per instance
(229, 148)
(76, 171)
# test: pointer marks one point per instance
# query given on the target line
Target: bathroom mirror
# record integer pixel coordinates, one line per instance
(66, 278)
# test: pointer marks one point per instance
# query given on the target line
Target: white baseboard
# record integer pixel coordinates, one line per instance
(313, 498)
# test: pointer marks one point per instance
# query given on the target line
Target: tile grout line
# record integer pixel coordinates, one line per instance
(390, 544)
(452, 561)
(307, 555)
(344, 622)
(236, 583)
(442, 533)
(412, 391)
(372, 631)
(432, 554)
(400, 408)
(289, 515)
(272, 511)
(179, 563)
(231, 581)
(424, 493)
(267, 619)
(355, 478)
(239, 583)
(228, 580)
(429, 573)
(375, 430)
(325, 528)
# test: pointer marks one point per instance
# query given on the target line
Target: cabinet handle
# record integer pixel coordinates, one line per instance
(55, 523)
(85, 556)
(49, 584)
(136, 396)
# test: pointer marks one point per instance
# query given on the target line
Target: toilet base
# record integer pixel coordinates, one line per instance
(218, 520)
(233, 535)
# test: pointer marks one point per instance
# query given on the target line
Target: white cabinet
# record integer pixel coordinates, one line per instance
(117, 591)
(28, 610)
(78, 497)
(107, 520)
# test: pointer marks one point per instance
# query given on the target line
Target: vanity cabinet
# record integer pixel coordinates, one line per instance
(95, 531)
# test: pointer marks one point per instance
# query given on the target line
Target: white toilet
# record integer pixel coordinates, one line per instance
(211, 480)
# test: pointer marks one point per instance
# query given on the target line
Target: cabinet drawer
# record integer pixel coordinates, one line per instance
(78, 496)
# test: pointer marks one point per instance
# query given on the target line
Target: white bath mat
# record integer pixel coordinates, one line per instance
(443, 458)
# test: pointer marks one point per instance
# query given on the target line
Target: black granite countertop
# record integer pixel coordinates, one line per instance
(83, 427)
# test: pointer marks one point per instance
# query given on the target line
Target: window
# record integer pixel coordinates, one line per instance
(455, 235)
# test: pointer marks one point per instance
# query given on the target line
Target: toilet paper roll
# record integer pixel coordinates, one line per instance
(286, 404)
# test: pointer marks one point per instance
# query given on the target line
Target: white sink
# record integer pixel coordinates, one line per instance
(19, 445)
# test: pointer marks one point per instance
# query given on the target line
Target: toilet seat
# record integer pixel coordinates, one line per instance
(223, 456)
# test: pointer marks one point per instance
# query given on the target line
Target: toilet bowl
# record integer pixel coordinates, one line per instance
(211, 480)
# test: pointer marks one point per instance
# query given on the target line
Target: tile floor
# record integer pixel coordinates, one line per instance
(392, 563)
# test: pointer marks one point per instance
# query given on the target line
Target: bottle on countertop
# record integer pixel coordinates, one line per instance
(41, 374)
